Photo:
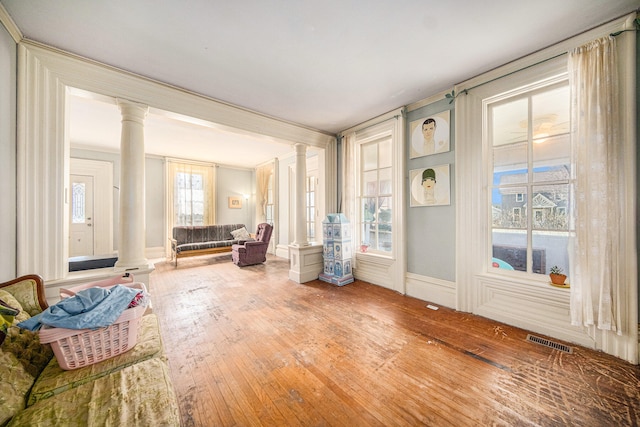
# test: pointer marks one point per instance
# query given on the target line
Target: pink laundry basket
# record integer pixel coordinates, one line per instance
(75, 348)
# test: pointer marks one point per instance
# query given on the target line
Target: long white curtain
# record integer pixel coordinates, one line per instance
(263, 174)
(175, 188)
(348, 202)
(595, 249)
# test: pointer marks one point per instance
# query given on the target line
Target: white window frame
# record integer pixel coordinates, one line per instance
(531, 304)
(311, 208)
(377, 195)
(527, 211)
(386, 269)
(360, 143)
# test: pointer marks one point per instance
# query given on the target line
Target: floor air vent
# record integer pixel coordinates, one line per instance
(545, 342)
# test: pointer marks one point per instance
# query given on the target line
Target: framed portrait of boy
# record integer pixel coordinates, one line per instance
(429, 135)
(430, 186)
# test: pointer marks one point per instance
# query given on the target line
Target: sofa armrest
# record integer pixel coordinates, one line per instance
(29, 291)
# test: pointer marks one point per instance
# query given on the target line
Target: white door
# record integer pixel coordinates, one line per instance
(81, 216)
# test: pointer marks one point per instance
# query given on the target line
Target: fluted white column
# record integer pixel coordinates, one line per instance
(131, 242)
(301, 205)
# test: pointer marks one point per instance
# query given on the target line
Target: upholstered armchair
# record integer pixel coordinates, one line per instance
(251, 252)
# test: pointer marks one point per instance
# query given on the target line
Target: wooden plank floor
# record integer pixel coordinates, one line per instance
(248, 347)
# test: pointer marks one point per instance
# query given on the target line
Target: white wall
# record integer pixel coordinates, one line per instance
(229, 182)
(236, 183)
(155, 202)
(154, 197)
(7, 155)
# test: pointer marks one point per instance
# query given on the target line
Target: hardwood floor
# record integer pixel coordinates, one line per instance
(248, 347)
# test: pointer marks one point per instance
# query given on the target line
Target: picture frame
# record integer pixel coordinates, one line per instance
(430, 186)
(430, 135)
(235, 202)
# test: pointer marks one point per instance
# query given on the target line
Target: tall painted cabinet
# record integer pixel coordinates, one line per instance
(337, 250)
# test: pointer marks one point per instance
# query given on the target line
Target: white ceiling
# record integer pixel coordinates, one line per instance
(327, 65)
(95, 124)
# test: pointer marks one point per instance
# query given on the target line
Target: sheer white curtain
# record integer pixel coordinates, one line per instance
(348, 202)
(595, 249)
(190, 194)
(263, 174)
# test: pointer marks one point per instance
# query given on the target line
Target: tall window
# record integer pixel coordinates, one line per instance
(190, 190)
(311, 207)
(530, 183)
(270, 209)
(376, 194)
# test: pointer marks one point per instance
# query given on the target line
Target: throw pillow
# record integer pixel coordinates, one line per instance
(241, 234)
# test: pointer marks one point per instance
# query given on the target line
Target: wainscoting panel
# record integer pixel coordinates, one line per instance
(437, 291)
(376, 270)
(535, 306)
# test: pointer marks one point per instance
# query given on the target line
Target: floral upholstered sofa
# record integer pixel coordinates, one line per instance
(131, 389)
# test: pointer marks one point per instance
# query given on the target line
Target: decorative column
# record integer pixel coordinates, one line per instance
(300, 238)
(305, 259)
(131, 242)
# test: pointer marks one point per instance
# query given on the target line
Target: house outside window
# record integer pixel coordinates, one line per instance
(376, 199)
(530, 149)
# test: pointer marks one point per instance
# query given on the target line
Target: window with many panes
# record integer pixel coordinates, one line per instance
(376, 194)
(311, 207)
(270, 210)
(531, 178)
(190, 194)
(189, 199)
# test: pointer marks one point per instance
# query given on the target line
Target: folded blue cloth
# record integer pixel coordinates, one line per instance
(88, 309)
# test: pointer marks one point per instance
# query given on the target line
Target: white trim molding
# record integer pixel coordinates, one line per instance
(45, 75)
(10, 25)
(526, 301)
(103, 203)
(375, 269)
(306, 262)
(438, 291)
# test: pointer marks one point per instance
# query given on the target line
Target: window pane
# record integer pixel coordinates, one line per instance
(550, 110)
(509, 249)
(385, 181)
(508, 207)
(384, 210)
(196, 182)
(551, 159)
(384, 237)
(509, 122)
(369, 183)
(549, 207)
(369, 236)
(368, 209)
(551, 249)
(510, 164)
(370, 157)
(386, 154)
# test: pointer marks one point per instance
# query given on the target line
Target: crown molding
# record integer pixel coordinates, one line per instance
(10, 25)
